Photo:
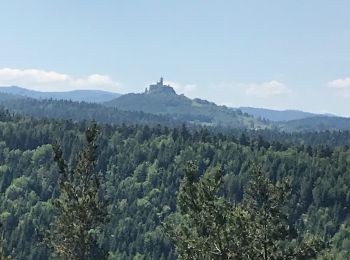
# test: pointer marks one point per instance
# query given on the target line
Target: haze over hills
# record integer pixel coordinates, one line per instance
(317, 123)
(280, 115)
(95, 96)
(161, 100)
(9, 97)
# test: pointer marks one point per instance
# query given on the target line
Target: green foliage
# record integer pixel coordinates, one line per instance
(202, 227)
(207, 226)
(80, 208)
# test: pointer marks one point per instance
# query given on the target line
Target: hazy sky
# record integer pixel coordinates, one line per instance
(274, 54)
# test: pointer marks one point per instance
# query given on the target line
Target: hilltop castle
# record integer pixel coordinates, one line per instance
(159, 87)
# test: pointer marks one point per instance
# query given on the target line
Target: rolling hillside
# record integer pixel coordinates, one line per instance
(317, 123)
(278, 115)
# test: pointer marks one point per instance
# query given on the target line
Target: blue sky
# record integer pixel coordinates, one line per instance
(274, 54)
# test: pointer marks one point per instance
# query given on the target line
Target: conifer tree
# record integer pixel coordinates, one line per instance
(81, 210)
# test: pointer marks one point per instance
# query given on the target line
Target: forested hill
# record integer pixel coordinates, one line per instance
(163, 100)
(318, 123)
(210, 115)
(161, 105)
(77, 111)
(142, 167)
(4, 97)
(277, 115)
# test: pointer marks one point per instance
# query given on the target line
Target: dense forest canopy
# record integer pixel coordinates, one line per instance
(77, 111)
(142, 167)
(240, 152)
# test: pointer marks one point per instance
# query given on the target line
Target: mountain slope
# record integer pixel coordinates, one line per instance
(79, 111)
(277, 115)
(8, 97)
(319, 123)
(161, 99)
(92, 96)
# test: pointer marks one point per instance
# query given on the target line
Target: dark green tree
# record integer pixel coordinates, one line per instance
(81, 210)
(271, 234)
(207, 226)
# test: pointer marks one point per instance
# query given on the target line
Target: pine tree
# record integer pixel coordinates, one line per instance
(81, 210)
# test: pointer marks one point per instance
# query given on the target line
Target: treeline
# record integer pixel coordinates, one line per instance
(77, 111)
(142, 167)
(330, 138)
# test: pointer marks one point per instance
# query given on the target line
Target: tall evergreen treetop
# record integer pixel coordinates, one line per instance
(81, 210)
(207, 226)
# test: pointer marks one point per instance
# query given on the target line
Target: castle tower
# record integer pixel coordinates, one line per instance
(159, 87)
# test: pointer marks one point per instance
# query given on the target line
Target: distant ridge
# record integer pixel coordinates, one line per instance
(10, 97)
(91, 96)
(280, 115)
(316, 123)
(160, 103)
